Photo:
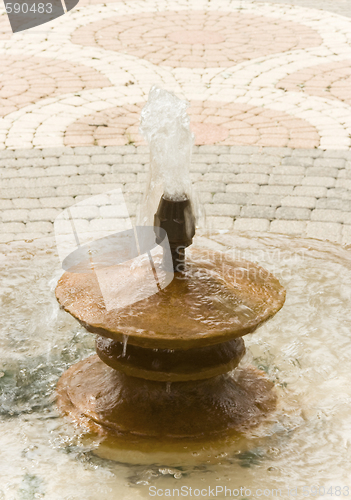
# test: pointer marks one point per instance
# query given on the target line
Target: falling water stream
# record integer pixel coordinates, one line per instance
(305, 349)
(125, 342)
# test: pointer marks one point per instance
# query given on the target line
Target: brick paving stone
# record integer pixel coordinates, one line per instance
(232, 198)
(285, 179)
(119, 178)
(293, 213)
(245, 150)
(218, 223)
(346, 218)
(288, 170)
(272, 200)
(212, 149)
(254, 178)
(132, 167)
(74, 190)
(232, 158)
(346, 235)
(212, 187)
(102, 188)
(76, 160)
(322, 172)
(294, 161)
(329, 163)
(339, 193)
(231, 168)
(313, 191)
(278, 190)
(344, 174)
(95, 150)
(242, 188)
(12, 227)
(6, 204)
(39, 227)
(298, 201)
(255, 168)
(257, 212)
(205, 158)
(43, 214)
(324, 231)
(319, 181)
(266, 158)
(57, 202)
(132, 158)
(27, 203)
(218, 177)
(8, 237)
(251, 225)
(327, 215)
(205, 197)
(222, 209)
(47, 152)
(95, 169)
(14, 215)
(288, 227)
(335, 153)
(343, 183)
(310, 153)
(334, 204)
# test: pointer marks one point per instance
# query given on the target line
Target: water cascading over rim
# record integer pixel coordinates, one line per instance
(188, 335)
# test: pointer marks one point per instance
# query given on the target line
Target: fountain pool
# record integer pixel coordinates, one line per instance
(305, 350)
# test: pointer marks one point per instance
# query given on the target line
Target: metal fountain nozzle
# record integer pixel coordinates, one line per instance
(178, 220)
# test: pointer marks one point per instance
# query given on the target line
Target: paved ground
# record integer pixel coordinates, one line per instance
(269, 85)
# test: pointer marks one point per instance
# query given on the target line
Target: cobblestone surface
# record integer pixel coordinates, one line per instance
(229, 180)
(270, 106)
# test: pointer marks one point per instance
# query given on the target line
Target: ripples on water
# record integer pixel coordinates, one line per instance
(305, 349)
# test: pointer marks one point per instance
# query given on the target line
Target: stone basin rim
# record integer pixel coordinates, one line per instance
(79, 294)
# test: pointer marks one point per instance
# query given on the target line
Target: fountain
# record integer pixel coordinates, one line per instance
(304, 350)
(164, 374)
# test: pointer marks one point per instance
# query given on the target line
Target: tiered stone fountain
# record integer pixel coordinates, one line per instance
(165, 365)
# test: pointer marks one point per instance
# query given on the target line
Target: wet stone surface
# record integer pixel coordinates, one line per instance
(216, 300)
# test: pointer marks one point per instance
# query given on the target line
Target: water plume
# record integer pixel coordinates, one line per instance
(165, 125)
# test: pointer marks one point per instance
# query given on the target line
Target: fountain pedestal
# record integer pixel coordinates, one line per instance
(170, 381)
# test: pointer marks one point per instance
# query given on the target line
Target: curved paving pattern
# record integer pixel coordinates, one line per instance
(196, 39)
(251, 82)
(23, 80)
(212, 122)
(331, 80)
(112, 127)
(270, 105)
